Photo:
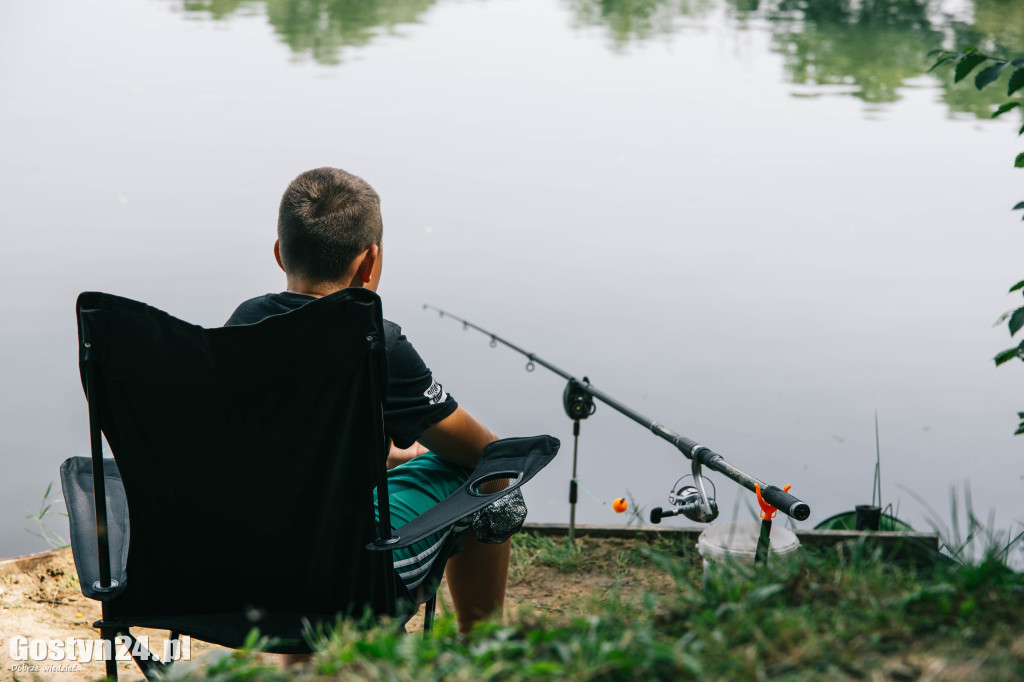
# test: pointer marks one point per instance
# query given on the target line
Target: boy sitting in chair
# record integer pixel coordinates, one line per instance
(330, 237)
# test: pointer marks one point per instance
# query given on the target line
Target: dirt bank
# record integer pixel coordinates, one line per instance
(40, 599)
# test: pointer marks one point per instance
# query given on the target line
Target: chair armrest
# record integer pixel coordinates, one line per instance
(518, 459)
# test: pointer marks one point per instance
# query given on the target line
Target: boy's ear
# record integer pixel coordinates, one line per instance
(277, 254)
(365, 269)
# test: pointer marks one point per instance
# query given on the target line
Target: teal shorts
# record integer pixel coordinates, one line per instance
(413, 488)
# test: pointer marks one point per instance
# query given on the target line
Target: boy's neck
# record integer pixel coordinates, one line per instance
(314, 289)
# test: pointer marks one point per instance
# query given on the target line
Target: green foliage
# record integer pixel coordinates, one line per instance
(1016, 321)
(822, 615)
(963, 63)
(1007, 355)
(966, 63)
(1016, 80)
(989, 74)
(1003, 108)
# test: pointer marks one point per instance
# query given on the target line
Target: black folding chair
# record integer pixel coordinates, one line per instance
(248, 457)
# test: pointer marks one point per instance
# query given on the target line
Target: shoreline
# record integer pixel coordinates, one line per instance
(809, 537)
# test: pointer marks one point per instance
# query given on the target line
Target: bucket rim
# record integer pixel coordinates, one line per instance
(789, 542)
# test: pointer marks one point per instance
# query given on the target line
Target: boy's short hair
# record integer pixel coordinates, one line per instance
(327, 218)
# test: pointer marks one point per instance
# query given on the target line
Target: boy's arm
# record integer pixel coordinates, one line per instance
(398, 456)
(458, 438)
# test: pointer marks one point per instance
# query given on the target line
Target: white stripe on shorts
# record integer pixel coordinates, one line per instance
(426, 558)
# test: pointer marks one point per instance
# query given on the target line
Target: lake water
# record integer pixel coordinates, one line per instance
(758, 223)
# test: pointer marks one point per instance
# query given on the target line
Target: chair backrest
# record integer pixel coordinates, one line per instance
(249, 456)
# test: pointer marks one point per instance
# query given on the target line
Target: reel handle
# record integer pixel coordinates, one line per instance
(657, 514)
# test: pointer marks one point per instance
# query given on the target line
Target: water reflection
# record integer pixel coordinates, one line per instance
(868, 49)
(630, 21)
(321, 28)
(872, 48)
(998, 29)
(218, 9)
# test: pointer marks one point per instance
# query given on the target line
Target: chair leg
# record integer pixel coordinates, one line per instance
(108, 635)
(428, 613)
(149, 664)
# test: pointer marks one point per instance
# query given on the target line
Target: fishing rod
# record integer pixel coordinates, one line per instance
(692, 501)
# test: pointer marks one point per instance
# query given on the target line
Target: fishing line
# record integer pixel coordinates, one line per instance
(587, 490)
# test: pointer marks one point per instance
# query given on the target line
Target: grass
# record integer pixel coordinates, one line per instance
(843, 614)
(530, 549)
(46, 508)
(978, 541)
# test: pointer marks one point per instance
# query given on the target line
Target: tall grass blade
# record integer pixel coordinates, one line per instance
(877, 487)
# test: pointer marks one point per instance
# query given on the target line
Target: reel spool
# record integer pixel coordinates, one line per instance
(687, 499)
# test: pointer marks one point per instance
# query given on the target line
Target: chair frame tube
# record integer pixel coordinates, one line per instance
(384, 532)
(99, 489)
(92, 392)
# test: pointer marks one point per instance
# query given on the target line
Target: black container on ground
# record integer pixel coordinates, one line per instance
(868, 517)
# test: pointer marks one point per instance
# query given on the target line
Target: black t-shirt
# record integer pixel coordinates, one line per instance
(415, 401)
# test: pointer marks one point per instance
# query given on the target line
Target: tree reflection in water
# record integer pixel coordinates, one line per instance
(869, 49)
(321, 29)
(629, 21)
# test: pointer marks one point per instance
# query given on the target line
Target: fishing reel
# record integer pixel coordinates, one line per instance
(577, 401)
(689, 498)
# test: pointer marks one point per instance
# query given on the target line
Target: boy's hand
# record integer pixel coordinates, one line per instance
(397, 456)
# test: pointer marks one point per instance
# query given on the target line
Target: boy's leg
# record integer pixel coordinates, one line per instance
(413, 488)
(477, 577)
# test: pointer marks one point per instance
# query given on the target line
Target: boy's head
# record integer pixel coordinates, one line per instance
(327, 219)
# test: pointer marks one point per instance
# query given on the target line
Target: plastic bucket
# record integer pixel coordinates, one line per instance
(737, 542)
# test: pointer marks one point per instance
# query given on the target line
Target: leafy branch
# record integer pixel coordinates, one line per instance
(964, 63)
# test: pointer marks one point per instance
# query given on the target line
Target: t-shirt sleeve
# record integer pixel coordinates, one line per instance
(416, 401)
